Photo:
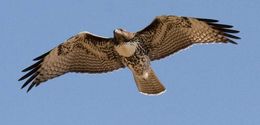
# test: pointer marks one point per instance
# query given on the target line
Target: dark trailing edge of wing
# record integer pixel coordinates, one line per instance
(32, 72)
(225, 29)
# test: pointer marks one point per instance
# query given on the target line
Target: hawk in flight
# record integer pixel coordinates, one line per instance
(88, 53)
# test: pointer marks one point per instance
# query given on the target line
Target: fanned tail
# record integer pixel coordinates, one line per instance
(150, 85)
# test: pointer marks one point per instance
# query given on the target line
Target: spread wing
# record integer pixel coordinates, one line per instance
(83, 53)
(169, 34)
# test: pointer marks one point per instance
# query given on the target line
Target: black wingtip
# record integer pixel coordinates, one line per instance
(231, 36)
(29, 73)
(226, 30)
(37, 84)
(30, 87)
(33, 66)
(33, 73)
(220, 25)
(30, 79)
(233, 42)
(207, 20)
(41, 56)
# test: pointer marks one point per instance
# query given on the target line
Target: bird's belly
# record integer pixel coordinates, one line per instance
(126, 49)
(139, 64)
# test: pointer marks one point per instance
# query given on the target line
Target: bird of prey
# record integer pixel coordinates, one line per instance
(89, 53)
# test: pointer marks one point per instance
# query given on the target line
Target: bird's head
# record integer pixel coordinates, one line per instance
(121, 35)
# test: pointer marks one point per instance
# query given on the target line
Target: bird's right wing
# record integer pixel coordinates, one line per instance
(83, 53)
(169, 34)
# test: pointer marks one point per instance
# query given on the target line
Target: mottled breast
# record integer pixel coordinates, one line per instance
(126, 49)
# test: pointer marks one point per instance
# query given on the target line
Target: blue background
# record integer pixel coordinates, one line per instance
(206, 84)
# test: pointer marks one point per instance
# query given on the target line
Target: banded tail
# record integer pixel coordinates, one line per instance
(150, 85)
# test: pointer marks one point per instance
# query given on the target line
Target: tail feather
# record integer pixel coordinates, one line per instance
(150, 85)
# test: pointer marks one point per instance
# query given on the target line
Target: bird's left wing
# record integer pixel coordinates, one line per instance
(84, 52)
(169, 34)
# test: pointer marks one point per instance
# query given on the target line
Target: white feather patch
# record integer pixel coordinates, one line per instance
(145, 75)
(153, 94)
(83, 32)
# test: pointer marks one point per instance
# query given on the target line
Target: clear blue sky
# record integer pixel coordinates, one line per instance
(206, 85)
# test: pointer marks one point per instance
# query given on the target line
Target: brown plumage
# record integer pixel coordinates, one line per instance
(87, 53)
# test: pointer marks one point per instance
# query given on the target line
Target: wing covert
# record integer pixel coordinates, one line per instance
(84, 52)
(169, 34)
